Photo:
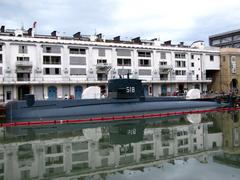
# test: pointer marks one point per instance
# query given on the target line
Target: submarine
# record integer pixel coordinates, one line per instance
(125, 96)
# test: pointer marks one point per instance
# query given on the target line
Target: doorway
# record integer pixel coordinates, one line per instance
(181, 88)
(78, 92)
(233, 84)
(52, 92)
(163, 90)
(22, 91)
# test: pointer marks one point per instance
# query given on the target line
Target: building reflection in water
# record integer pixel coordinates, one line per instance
(81, 150)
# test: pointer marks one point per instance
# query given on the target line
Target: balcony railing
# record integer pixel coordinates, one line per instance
(103, 66)
(165, 66)
(85, 79)
(23, 63)
(23, 79)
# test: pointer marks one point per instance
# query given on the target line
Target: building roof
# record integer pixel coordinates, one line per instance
(225, 33)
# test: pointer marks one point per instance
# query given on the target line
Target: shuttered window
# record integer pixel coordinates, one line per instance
(52, 49)
(123, 52)
(77, 60)
(101, 52)
(145, 72)
(124, 71)
(77, 71)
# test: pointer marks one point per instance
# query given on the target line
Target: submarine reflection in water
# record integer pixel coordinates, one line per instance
(88, 150)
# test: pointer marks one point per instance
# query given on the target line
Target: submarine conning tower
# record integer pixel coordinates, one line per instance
(125, 89)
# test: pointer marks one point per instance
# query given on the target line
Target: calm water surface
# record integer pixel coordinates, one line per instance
(196, 146)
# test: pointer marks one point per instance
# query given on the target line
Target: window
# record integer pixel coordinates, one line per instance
(217, 41)
(54, 160)
(163, 55)
(192, 56)
(0, 47)
(192, 64)
(180, 72)
(9, 95)
(163, 63)
(224, 58)
(124, 71)
(55, 60)
(180, 63)
(51, 59)
(77, 51)
(101, 61)
(51, 49)
(101, 52)
(123, 52)
(144, 54)
(77, 60)
(22, 58)
(227, 39)
(180, 55)
(123, 62)
(77, 71)
(0, 70)
(22, 49)
(211, 58)
(144, 62)
(48, 49)
(0, 58)
(57, 71)
(52, 71)
(47, 71)
(53, 149)
(144, 72)
(145, 147)
(193, 72)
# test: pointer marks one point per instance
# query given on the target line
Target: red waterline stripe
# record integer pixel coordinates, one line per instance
(113, 118)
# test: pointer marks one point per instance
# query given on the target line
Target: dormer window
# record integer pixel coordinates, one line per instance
(22, 49)
(48, 49)
(211, 58)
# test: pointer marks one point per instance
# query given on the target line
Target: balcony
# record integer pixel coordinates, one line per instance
(103, 67)
(164, 69)
(23, 63)
(23, 79)
(168, 67)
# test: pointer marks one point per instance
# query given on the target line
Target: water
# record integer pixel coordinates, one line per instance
(196, 146)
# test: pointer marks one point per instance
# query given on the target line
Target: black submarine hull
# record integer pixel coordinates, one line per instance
(78, 109)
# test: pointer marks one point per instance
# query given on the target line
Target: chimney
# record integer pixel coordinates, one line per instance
(168, 42)
(116, 39)
(136, 40)
(181, 44)
(2, 28)
(54, 33)
(99, 36)
(77, 35)
(30, 32)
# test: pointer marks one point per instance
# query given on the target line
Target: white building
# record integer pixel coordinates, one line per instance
(51, 66)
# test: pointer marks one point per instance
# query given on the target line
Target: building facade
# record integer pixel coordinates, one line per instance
(226, 39)
(226, 80)
(52, 67)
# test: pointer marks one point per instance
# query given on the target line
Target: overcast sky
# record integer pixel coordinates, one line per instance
(178, 20)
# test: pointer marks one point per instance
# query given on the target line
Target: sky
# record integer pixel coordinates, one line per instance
(176, 20)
